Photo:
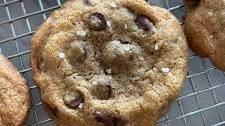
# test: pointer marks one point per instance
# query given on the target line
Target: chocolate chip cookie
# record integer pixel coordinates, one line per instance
(14, 94)
(109, 63)
(205, 31)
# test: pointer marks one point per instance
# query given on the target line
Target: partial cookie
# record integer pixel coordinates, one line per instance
(14, 94)
(205, 31)
(109, 63)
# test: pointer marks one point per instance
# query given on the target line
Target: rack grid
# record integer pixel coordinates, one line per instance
(201, 103)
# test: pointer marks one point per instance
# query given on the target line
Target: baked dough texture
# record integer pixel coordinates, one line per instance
(14, 94)
(205, 31)
(109, 63)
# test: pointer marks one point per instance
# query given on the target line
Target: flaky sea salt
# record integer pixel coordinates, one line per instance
(125, 26)
(156, 47)
(61, 55)
(109, 71)
(109, 24)
(165, 70)
(81, 106)
(81, 33)
(94, 82)
(113, 5)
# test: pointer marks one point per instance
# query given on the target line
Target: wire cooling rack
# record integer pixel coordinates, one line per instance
(202, 102)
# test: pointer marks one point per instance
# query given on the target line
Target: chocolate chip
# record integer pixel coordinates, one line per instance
(75, 103)
(73, 99)
(102, 91)
(144, 23)
(97, 21)
(106, 119)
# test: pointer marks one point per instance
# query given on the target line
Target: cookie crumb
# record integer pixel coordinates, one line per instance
(113, 5)
(211, 36)
(81, 33)
(165, 70)
(61, 55)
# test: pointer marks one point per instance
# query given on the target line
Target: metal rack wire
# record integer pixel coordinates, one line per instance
(202, 102)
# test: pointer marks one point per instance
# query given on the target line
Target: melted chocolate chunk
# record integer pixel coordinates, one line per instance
(75, 103)
(73, 100)
(144, 23)
(106, 119)
(97, 21)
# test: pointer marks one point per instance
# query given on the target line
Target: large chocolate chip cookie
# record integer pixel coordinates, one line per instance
(109, 63)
